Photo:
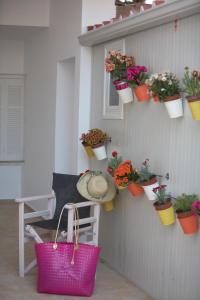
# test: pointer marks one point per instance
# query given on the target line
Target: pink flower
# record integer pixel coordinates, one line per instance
(109, 170)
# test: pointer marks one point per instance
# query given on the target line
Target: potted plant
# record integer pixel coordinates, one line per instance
(121, 175)
(96, 138)
(191, 82)
(163, 205)
(133, 185)
(88, 148)
(148, 180)
(166, 87)
(187, 218)
(113, 163)
(116, 64)
(136, 77)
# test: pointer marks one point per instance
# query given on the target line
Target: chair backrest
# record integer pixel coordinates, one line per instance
(64, 186)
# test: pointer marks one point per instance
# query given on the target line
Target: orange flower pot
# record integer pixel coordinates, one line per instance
(135, 189)
(142, 93)
(189, 222)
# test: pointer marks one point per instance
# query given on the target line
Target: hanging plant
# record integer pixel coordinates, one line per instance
(187, 217)
(137, 77)
(163, 205)
(191, 85)
(148, 180)
(116, 64)
(166, 87)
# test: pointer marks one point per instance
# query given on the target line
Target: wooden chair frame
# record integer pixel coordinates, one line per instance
(27, 232)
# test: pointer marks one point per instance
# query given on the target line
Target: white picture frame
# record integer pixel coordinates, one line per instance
(112, 107)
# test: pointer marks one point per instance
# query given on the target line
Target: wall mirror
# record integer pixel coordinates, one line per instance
(112, 106)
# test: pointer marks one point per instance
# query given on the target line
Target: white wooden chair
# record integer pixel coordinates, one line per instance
(89, 224)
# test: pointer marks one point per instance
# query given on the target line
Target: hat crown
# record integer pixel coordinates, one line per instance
(97, 186)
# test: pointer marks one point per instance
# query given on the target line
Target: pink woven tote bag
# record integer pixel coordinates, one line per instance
(66, 268)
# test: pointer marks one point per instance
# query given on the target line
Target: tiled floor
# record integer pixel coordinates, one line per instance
(109, 285)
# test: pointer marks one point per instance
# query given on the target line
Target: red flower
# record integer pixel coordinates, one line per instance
(114, 154)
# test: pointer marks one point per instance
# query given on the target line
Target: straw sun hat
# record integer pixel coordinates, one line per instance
(96, 186)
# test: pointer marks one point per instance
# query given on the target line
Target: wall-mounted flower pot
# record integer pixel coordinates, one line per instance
(174, 106)
(88, 150)
(194, 104)
(100, 151)
(108, 206)
(142, 93)
(148, 187)
(135, 189)
(124, 91)
(165, 212)
(189, 222)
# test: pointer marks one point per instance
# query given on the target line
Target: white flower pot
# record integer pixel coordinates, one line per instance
(100, 152)
(125, 95)
(174, 108)
(148, 189)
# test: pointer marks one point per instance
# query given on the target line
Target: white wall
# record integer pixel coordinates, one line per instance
(24, 12)
(64, 136)
(11, 57)
(159, 259)
(11, 62)
(43, 51)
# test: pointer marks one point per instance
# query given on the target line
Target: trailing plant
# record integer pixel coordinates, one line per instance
(136, 76)
(95, 137)
(116, 64)
(114, 162)
(184, 202)
(144, 173)
(161, 195)
(164, 85)
(191, 82)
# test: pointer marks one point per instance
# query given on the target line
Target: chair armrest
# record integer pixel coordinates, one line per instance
(81, 204)
(34, 198)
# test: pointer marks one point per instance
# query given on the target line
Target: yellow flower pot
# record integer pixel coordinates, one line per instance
(166, 213)
(108, 206)
(88, 150)
(194, 104)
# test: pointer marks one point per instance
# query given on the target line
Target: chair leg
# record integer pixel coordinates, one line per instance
(96, 224)
(21, 239)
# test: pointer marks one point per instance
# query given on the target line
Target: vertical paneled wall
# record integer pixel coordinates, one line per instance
(159, 259)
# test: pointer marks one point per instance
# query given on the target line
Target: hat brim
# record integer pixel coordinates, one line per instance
(82, 188)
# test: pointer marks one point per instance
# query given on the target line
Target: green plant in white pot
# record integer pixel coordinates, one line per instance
(166, 87)
(148, 180)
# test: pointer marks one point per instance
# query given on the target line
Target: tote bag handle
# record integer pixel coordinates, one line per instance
(76, 230)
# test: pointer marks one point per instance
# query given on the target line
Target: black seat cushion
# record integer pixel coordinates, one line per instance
(65, 190)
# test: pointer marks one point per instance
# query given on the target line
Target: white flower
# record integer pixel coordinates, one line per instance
(170, 82)
(162, 90)
(164, 78)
